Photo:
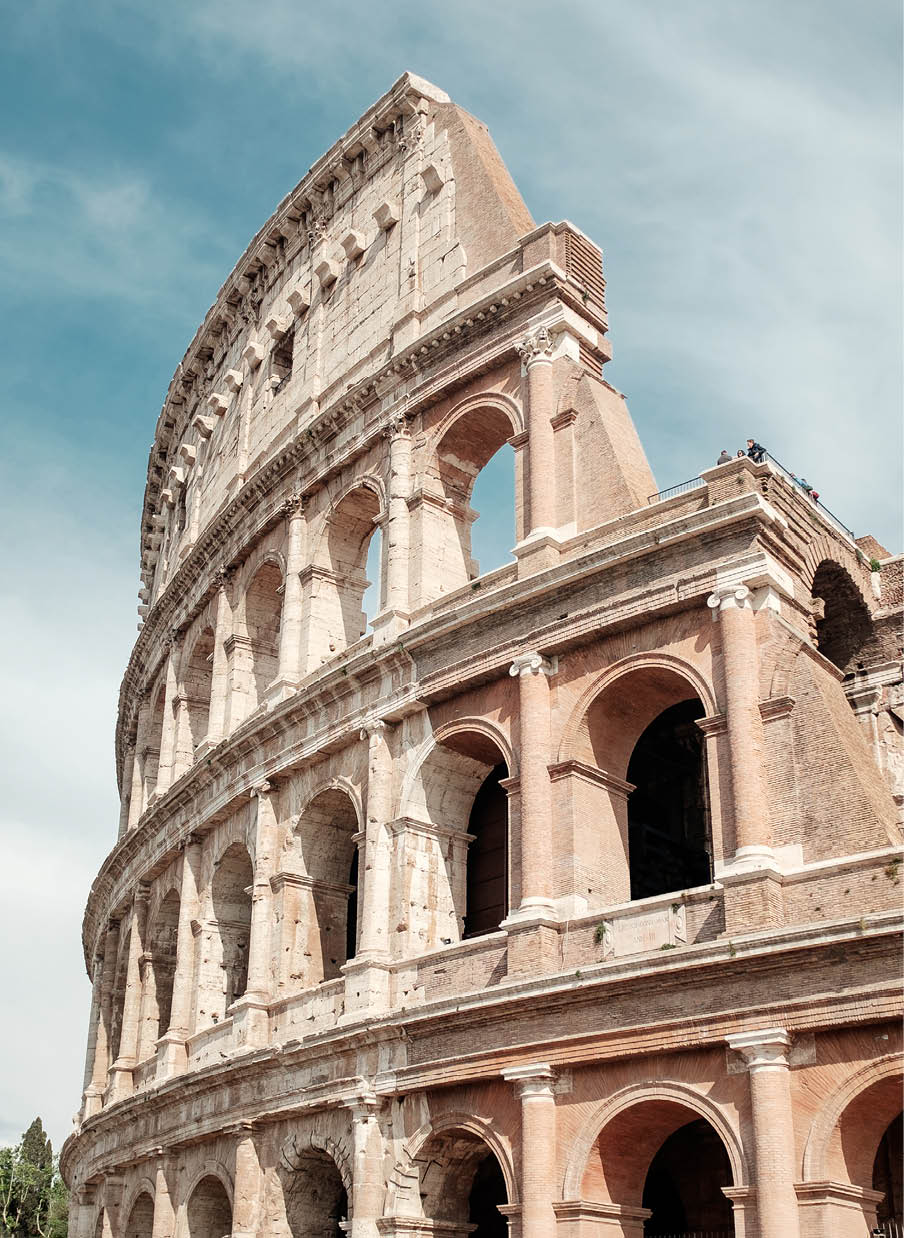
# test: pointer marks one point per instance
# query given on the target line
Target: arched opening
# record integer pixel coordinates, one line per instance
(461, 1183)
(668, 834)
(327, 914)
(196, 684)
(662, 1156)
(151, 766)
(316, 1200)
(225, 973)
(442, 512)
(888, 1170)
(349, 531)
(492, 500)
(456, 842)
(683, 1187)
(209, 1210)
(119, 988)
(486, 902)
(158, 972)
(141, 1218)
(843, 624)
(373, 570)
(650, 803)
(263, 609)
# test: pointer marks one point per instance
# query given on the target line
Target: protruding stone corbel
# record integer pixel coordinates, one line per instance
(189, 453)
(176, 477)
(203, 425)
(253, 354)
(299, 301)
(387, 215)
(233, 379)
(327, 271)
(276, 326)
(354, 244)
(432, 177)
(217, 403)
(167, 497)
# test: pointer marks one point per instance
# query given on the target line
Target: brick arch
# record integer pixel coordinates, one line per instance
(823, 1154)
(634, 663)
(824, 549)
(503, 404)
(403, 1196)
(679, 1096)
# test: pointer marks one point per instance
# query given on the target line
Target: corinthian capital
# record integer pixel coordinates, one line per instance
(537, 346)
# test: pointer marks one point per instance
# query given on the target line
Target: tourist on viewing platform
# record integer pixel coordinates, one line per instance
(756, 451)
(724, 457)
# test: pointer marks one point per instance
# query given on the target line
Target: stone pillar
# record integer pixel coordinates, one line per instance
(366, 1204)
(534, 1088)
(219, 679)
(765, 1053)
(125, 800)
(164, 1225)
(172, 1058)
(533, 672)
(170, 721)
(121, 1070)
(250, 1012)
(137, 795)
(536, 361)
(395, 599)
(247, 1185)
(732, 606)
(289, 674)
(367, 975)
(111, 1225)
(82, 1207)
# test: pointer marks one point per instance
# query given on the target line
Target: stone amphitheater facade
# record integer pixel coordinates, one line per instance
(563, 899)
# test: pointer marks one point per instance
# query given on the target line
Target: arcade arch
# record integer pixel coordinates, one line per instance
(197, 679)
(666, 1152)
(463, 1178)
(463, 446)
(456, 810)
(639, 730)
(338, 580)
(315, 1196)
(209, 1212)
(261, 615)
(158, 973)
(140, 1223)
(842, 619)
(326, 900)
(223, 970)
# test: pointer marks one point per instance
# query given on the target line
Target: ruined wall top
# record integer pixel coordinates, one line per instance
(367, 251)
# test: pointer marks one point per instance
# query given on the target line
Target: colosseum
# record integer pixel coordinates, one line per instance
(561, 900)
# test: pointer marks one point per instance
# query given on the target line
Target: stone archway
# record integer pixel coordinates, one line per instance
(209, 1212)
(843, 627)
(316, 1192)
(140, 1223)
(223, 968)
(455, 837)
(323, 903)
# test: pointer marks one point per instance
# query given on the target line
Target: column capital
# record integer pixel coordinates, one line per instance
(533, 663)
(535, 347)
(292, 505)
(398, 426)
(762, 1050)
(531, 1079)
(262, 788)
(223, 575)
(725, 597)
(374, 728)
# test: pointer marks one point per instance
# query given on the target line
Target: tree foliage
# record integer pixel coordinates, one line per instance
(33, 1197)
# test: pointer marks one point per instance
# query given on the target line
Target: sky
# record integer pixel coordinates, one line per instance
(738, 161)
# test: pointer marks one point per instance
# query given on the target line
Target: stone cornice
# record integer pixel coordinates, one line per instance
(720, 964)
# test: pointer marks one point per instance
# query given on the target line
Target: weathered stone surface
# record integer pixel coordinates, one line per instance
(583, 864)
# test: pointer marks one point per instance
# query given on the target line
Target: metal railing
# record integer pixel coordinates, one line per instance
(795, 481)
(690, 1233)
(693, 484)
(891, 1227)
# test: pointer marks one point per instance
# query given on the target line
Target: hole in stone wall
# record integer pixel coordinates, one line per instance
(493, 496)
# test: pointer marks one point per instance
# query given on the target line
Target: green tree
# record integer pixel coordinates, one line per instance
(33, 1197)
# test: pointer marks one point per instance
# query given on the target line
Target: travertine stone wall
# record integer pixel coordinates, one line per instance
(291, 1029)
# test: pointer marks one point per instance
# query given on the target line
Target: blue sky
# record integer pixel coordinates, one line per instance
(738, 162)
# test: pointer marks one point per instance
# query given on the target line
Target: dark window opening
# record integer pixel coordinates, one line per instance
(487, 1192)
(684, 1184)
(888, 1171)
(351, 922)
(487, 901)
(668, 834)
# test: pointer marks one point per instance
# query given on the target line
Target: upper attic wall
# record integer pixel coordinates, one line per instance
(369, 247)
